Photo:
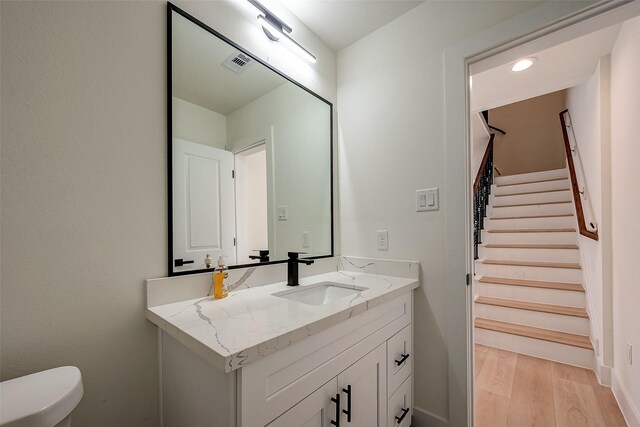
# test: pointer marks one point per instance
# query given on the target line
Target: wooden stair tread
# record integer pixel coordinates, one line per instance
(572, 265)
(534, 306)
(531, 182)
(531, 246)
(533, 230)
(562, 286)
(533, 192)
(530, 204)
(532, 216)
(574, 340)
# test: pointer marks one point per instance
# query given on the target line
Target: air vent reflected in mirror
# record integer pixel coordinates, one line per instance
(237, 62)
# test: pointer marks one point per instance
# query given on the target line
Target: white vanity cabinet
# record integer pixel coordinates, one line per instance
(354, 397)
(359, 369)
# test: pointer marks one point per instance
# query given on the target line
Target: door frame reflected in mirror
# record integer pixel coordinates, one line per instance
(171, 8)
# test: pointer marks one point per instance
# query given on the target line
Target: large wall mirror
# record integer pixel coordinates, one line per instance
(250, 156)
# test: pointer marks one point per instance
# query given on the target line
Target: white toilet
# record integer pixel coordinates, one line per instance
(43, 399)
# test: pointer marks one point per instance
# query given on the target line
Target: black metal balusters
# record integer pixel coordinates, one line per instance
(481, 199)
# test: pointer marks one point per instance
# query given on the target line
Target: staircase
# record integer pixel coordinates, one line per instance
(527, 284)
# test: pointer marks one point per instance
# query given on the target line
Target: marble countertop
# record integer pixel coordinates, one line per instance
(251, 323)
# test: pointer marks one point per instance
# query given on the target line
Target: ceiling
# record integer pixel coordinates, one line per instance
(558, 67)
(340, 23)
(199, 77)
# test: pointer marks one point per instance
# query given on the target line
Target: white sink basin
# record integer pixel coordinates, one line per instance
(320, 293)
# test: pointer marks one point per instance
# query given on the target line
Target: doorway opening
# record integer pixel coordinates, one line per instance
(540, 301)
(252, 222)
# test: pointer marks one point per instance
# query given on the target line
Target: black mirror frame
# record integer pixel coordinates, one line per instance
(173, 8)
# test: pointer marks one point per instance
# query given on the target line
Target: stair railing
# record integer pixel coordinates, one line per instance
(589, 227)
(481, 193)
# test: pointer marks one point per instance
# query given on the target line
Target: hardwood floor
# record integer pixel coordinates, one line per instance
(516, 390)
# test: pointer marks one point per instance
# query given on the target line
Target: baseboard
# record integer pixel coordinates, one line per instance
(603, 373)
(629, 411)
(424, 418)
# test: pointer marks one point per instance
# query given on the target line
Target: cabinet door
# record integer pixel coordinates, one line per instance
(316, 410)
(363, 387)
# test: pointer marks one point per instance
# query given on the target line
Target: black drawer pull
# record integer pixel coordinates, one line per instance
(402, 359)
(347, 411)
(399, 419)
(336, 400)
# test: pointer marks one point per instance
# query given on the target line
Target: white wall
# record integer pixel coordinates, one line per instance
(83, 186)
(301, 158)
(391, 130)
(198, 124)
(588, 108)
(625, 176)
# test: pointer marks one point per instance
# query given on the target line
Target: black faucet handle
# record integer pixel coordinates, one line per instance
(293, 257)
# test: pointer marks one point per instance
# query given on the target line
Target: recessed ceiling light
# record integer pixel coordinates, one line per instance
(523, 64)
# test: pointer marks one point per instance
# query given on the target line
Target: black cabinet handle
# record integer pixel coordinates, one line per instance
(402, 359)
(399, 419)
(179, 262)
(336, 400)
(347, 411)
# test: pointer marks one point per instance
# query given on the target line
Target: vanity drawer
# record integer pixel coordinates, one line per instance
(399, 362)
(401, 406)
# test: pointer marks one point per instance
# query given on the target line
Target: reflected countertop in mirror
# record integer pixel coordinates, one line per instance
(251, 156)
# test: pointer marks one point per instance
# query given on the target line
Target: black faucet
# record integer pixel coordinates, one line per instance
(263, 257)
(292, 267)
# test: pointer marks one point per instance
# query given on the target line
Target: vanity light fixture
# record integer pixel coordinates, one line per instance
(523, 64)
(277, 30)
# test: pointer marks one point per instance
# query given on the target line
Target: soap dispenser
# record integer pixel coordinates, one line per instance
(220, 279)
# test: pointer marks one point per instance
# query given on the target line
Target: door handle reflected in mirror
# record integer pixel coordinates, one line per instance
(179, 262)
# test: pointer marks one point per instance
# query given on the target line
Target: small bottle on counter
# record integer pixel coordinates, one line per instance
(220, 279)
(208, 262)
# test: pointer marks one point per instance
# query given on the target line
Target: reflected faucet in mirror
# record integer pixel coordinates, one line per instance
(292, 267)
(263, 255)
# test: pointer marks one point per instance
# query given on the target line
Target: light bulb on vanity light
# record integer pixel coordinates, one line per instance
(283, 38)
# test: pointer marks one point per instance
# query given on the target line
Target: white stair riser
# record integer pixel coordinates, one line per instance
(526, 238)
(529, 177)
(531, 294)
(553, 322)
(548, 222)
(521, 199)
(550, 255)
(531, 187)
(567, 275)
(562, 353)
(533, 210)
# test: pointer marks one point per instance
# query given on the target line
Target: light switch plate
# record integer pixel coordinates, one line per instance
(427, 200)
(283, 215)
(305, 239)
(383, 240)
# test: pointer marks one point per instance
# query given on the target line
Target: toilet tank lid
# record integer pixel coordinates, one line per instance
(42, 399)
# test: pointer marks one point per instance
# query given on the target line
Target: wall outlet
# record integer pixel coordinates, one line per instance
(305, 239)
(630, 353)
(383, 240)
